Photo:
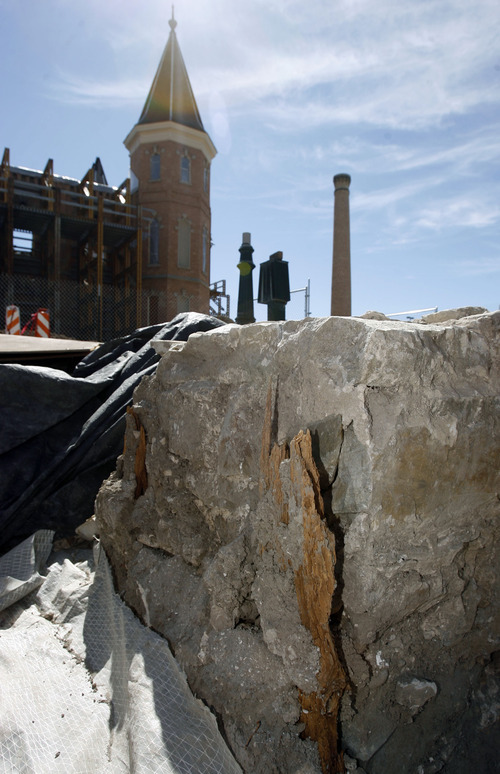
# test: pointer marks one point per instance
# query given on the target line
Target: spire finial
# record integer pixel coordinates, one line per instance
(172, 22)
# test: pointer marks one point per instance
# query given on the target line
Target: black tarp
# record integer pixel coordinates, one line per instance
(60, 434)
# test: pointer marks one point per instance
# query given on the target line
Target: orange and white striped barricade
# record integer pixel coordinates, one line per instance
(12, 320)
(42, 323)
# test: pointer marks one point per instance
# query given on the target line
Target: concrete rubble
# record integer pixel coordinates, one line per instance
(308, 511)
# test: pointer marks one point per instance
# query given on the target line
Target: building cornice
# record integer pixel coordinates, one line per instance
(163, 131)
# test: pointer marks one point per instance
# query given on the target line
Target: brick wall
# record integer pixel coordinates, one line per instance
(173, 201)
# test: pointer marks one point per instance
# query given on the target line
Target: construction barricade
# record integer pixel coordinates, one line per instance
(12, 320)
(38, 324)
(42, 323)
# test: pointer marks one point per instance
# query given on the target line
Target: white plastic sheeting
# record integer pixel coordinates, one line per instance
(85, 688)
(20, 569)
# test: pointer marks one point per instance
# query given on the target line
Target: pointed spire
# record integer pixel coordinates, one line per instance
(172, 23)
(171, 97)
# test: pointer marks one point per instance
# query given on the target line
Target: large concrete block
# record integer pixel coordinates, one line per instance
(318, 538)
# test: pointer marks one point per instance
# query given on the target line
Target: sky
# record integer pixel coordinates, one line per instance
(403, 95)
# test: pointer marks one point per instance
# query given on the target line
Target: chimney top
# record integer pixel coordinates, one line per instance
(342, 180)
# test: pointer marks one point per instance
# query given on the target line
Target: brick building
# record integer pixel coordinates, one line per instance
(106, 259)
(170, 157)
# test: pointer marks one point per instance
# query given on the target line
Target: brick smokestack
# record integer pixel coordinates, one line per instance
(341, 264)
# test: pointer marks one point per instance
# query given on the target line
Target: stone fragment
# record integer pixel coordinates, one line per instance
(413, 693)
(88, 530)
(367, 733)
(447, 315)
(350, 764)
(373, 315)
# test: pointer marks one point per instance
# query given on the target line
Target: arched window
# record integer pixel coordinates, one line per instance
(185, 169)
(184, 244)
(205, 179)
(204, 250)
(154, 243)
(154, 166)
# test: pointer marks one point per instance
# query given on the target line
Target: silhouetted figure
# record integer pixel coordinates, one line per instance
(274, 286)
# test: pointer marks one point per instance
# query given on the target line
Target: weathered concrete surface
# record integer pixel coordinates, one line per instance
(447, 315)
(309, 512)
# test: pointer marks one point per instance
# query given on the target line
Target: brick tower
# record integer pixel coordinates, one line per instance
(341, 264)
(170, 156)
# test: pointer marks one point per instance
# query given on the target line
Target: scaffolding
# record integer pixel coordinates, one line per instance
(74, 247)
(219, 300)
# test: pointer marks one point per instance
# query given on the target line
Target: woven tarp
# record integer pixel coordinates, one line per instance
(61, 434)
(85, 688)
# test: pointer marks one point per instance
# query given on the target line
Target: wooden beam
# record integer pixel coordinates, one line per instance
(6, 160)
(48, 179)
(139, 267)
(100, 246)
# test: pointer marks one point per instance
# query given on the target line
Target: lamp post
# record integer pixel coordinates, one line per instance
(245, 313)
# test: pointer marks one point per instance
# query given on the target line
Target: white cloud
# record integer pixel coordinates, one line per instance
(453, 153)
(409, 77)
(297, 66)
(98, 93)
(463, 155)
(478, 267)
(458, 212)
(381, 199)
(391, 102)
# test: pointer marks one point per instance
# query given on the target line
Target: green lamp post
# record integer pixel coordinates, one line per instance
(245, 292)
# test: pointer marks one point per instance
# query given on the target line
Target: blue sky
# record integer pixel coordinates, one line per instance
(404, 95)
